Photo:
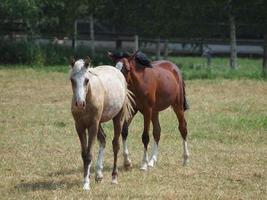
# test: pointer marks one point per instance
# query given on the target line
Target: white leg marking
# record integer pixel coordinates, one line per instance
(127, 161)
(186, 153)
(86, 181)
(114, 180)
(154, 154)
(144, 161)
(99, 162)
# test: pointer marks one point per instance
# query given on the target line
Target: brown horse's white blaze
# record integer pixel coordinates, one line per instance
(155, 87)
(99, 94)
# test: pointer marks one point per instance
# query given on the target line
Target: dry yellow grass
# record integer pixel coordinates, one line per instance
(40, 151)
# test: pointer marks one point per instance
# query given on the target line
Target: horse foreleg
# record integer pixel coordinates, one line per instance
(99, 163)
(82, 136)
(145, 137)
(92, 132)
(156, 135)
(127, 162)
(117, 123)
(183, 130)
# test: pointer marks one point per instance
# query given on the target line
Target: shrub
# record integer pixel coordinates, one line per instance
(30, 53)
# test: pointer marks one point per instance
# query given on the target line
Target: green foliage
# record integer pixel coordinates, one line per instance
(30, 53)
(196, 68)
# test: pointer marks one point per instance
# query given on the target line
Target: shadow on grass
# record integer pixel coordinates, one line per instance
(43, 185)
(46, 185)
(79, 171)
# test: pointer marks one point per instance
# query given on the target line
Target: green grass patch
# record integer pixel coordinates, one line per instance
(196, 68)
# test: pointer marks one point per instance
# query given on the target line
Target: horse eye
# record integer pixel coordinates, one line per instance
(86, 81)
(72, 81)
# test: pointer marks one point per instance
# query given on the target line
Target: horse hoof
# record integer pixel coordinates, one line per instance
(185, 163)
(86, 187)
(114, 180)
(98, 179)
(127, 166)
(144, 167)
(151, 163)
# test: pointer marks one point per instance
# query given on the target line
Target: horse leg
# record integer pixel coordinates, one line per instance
(145, 137)
(183, 130)
(117, 123)
(127, 162)
(82, 136)
(92, 132)
(99, 163)
(156, 135)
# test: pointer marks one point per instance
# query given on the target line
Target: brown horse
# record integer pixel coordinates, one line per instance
(156, 86)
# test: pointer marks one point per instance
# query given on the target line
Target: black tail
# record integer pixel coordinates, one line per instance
(186, 105)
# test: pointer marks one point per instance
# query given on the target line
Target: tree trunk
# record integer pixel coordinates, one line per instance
(158, 48)
(233, 47)
(264, 64)
(166, 49)
(92, 35)
(74, 41)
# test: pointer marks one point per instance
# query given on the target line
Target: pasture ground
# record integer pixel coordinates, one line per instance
(40, 151)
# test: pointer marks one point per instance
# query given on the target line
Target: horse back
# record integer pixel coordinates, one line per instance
(161, 84)
(167, 65)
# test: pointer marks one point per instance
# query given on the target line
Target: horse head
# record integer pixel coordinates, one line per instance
(79, 78)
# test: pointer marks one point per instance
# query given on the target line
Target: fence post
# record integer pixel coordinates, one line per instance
(136, 42)
(158, 48)
(166, 49)
(264, 63)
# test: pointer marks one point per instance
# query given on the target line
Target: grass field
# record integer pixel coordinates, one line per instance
(40, 151)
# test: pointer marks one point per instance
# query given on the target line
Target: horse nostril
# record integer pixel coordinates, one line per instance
(80, 104)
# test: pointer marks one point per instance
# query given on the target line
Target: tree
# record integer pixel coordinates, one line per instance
(24, 11)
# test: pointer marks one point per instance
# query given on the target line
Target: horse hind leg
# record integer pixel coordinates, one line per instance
(117, 123)
(127, 162)
(99, 163)
(183, 130)
(156, 135)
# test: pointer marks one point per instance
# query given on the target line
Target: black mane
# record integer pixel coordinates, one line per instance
(143, 60)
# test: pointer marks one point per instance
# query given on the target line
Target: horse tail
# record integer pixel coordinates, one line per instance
(129, 102)
(186, 105)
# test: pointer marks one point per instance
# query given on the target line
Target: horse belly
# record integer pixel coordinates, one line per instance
(166, 92)
(114, 99)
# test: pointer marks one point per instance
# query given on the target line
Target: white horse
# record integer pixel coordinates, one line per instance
(99, 94)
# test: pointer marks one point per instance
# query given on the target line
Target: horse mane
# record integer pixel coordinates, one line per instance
(142, 61)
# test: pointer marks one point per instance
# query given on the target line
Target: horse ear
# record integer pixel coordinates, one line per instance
(72, 61)
(111, 56)
(87, 61)
(133, 56)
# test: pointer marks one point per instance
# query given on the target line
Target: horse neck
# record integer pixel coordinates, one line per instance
(135, 79)
(89, 93)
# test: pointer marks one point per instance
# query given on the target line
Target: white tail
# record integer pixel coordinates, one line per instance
(128, 105)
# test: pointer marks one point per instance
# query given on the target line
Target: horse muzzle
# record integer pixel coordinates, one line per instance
(80, 104)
